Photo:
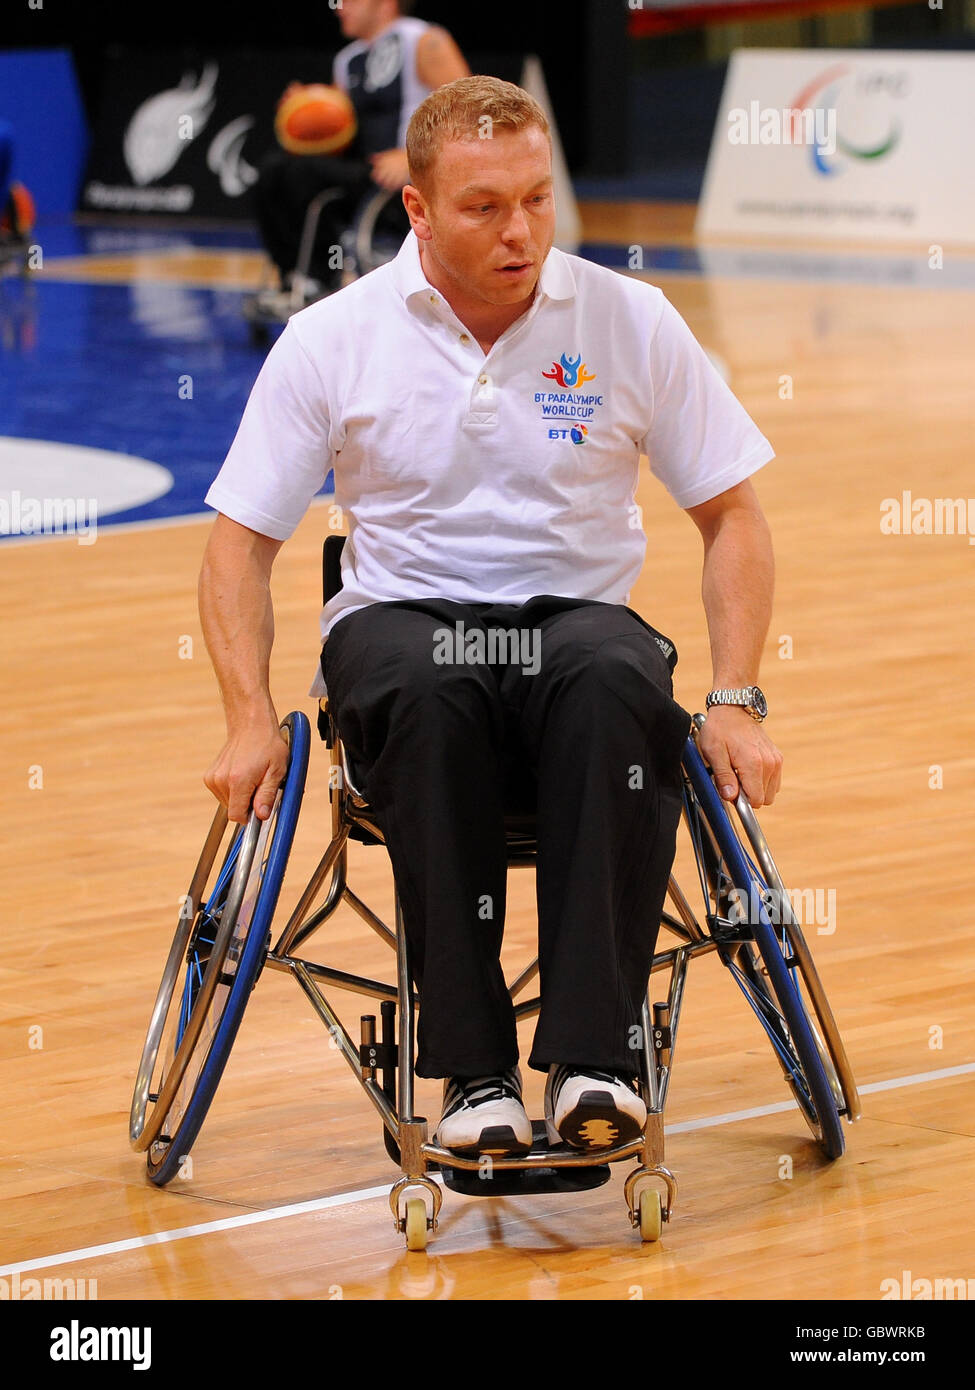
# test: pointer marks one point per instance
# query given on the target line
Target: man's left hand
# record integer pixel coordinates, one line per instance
(741, 755)
(390, 169)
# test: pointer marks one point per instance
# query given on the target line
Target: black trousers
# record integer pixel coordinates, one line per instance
(579, 712)
(286, 184)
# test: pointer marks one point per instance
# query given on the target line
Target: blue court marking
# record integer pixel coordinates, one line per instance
(59, 237)
(112, 366)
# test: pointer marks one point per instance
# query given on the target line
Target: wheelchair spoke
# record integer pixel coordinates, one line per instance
(775, 1025)
(692, 817)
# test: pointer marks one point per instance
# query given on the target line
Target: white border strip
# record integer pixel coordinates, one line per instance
(367, 1194)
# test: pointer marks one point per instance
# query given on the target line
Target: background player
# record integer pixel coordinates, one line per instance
(394, 62)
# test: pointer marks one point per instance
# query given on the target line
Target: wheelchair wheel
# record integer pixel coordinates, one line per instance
(765, 951)
(379, 230)
(217, 953)
(651, 1214)
(416, 1224)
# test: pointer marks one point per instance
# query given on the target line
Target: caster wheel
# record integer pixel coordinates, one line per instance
(651, 1216)
(416, 1224)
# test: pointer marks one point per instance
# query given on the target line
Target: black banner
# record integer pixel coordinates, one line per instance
(183, 132)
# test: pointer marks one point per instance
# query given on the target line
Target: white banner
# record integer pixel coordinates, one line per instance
(845, 144)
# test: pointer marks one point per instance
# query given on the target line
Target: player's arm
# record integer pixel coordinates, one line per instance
(238, 627)
(737, 584)
(438, 59)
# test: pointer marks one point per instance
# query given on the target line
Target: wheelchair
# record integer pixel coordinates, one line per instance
(373, 238)
(223, 941)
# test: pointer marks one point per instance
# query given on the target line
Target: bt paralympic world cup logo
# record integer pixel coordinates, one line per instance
(569, 372)
(857, 105)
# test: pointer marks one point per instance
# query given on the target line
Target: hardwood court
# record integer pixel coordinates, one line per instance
(868, 671)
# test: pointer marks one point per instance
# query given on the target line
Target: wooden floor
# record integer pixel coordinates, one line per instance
(869, 673)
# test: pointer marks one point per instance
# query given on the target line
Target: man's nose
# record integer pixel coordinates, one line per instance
(516, 227)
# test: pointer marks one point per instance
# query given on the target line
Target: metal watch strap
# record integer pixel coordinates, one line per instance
(743, 696)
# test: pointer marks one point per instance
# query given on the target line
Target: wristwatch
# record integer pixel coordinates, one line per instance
(749, 697)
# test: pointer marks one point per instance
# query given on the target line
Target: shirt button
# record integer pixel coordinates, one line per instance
(464, 338)
(433, 299)
(482, 380)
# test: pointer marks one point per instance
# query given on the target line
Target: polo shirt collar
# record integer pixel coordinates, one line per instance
(556, 280)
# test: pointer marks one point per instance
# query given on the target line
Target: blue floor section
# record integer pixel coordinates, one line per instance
(104, 365)
(112, 366)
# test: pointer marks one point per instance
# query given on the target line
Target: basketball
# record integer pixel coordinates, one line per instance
(316, 119)
(19, 214)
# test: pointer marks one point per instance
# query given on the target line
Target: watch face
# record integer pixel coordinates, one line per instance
(758, 700)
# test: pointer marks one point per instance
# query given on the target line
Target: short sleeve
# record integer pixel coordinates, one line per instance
(701, 439)
(280, 456)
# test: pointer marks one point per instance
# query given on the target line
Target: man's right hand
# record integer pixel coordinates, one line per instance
(251, 764)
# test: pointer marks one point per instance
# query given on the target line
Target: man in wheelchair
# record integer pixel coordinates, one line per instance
(392, 63)
(484, 400)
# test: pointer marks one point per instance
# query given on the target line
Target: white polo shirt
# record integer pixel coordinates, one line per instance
(484, 478)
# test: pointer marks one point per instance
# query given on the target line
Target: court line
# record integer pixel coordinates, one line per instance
(366, 1194)
(915, 1079)
(149, 523)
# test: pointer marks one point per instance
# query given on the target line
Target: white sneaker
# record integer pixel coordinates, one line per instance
(591, 1110)
(484, 1115)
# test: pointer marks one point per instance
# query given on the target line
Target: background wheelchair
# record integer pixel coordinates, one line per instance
(374, 237)
(17, 216)
(223, 941)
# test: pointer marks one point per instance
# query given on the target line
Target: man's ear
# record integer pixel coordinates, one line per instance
(416, 208)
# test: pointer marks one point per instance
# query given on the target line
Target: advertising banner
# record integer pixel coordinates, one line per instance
(844, 144)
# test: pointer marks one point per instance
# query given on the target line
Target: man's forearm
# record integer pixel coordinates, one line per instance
(737, 585)
(238, 627)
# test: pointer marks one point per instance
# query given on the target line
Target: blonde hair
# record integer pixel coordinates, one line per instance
(469, 109)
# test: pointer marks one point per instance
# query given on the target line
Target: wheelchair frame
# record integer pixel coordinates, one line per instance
(359, 254)
(198, 1009)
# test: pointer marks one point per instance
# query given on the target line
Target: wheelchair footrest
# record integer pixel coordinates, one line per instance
(523, 1182)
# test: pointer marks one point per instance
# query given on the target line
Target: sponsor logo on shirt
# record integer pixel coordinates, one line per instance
(577, 433)
(569, 372)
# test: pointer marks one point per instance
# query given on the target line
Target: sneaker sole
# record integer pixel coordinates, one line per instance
(496, 1141)
(596, 1123)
